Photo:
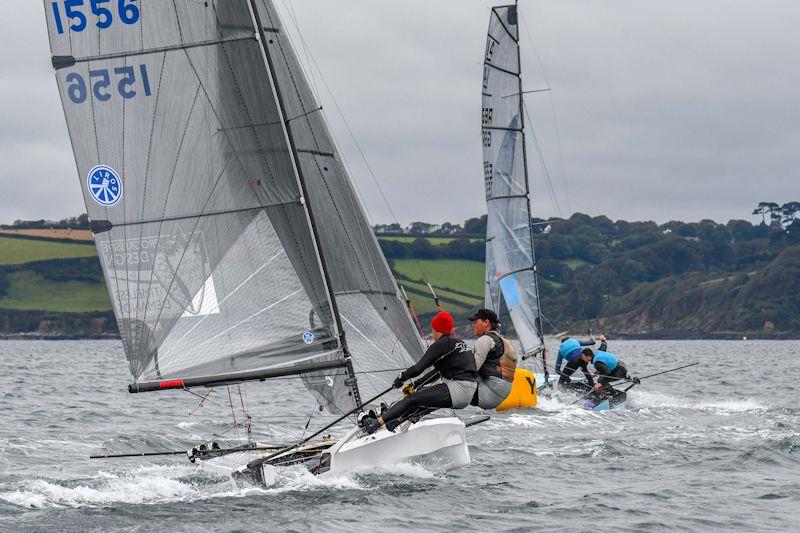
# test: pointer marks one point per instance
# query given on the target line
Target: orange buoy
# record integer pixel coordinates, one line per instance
(523, 391)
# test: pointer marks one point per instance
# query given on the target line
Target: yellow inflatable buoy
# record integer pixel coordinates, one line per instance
(523, 391)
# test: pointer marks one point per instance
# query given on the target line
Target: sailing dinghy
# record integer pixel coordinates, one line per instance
(512, 286)
(232, 242)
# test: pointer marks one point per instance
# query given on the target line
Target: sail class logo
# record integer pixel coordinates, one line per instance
(104, 185)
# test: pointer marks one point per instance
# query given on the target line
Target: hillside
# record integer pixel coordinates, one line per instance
(52, 287)
(639, 278)
(625, 278)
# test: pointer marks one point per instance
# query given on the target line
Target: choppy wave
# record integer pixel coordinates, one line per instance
(159, 484)
(654, 399)
(683, 440)
(148, 484)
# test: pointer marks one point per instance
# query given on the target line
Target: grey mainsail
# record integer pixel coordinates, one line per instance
(511, 282)
(201, 158)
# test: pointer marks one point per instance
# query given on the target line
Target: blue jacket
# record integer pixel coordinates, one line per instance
(608, 359)
(569, 350)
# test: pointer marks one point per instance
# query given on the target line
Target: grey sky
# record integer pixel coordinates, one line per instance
(666, 110)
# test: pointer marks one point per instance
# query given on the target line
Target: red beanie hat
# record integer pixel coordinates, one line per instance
(443, 323)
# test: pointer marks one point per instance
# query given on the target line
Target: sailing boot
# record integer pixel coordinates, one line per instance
(391, 425)
(372, 427)
(365, 417)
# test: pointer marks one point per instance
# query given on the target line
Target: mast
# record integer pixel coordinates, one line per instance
(539, 324)
(262, 39)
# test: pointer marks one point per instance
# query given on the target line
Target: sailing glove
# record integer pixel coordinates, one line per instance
(398, 382)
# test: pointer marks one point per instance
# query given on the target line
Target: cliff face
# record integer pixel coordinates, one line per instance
(759, 303)
(54, 325)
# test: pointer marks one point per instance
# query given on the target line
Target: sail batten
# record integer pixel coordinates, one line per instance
(511, 280)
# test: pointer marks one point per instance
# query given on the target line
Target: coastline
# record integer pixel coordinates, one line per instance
(650, 336)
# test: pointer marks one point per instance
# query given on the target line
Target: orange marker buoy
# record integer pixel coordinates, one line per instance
(523, 391)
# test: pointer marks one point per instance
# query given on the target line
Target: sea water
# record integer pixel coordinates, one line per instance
(713, 447)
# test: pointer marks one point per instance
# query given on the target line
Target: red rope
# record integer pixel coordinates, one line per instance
(199, 405)
(233, 412)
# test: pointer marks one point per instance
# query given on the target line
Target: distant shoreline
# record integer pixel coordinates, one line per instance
(662, 336)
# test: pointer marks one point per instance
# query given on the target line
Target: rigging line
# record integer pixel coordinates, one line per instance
(267, 424)
(315, 94)
(358, 148)
(553, 111)
(233, 411)
(545, 172)
(365, 337)
(306, 49)
(241, 399)
(555, 329)
(579, 286)
(202, 401)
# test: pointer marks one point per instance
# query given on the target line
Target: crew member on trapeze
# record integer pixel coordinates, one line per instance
(570, 350)
(495, 358)
(454, 362)
(609, 367)
(581, 361)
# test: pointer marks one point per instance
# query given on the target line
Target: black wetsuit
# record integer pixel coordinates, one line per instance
(453, 360)
(566, 382)
(606, 375)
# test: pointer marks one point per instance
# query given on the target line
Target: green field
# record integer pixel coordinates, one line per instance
(436, 241)
(459, 274)
(15, 251)
(456, 274)
(29, 291)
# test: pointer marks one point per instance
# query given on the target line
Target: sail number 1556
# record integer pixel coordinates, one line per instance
(101, 11)
(100, 81)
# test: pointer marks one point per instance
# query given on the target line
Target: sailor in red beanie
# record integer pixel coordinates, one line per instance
(455, 364)
(443, 323)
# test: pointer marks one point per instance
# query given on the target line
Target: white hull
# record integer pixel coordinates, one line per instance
(439, 443)
(436, 443)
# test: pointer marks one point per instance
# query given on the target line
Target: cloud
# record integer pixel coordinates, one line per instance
(665, 110)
